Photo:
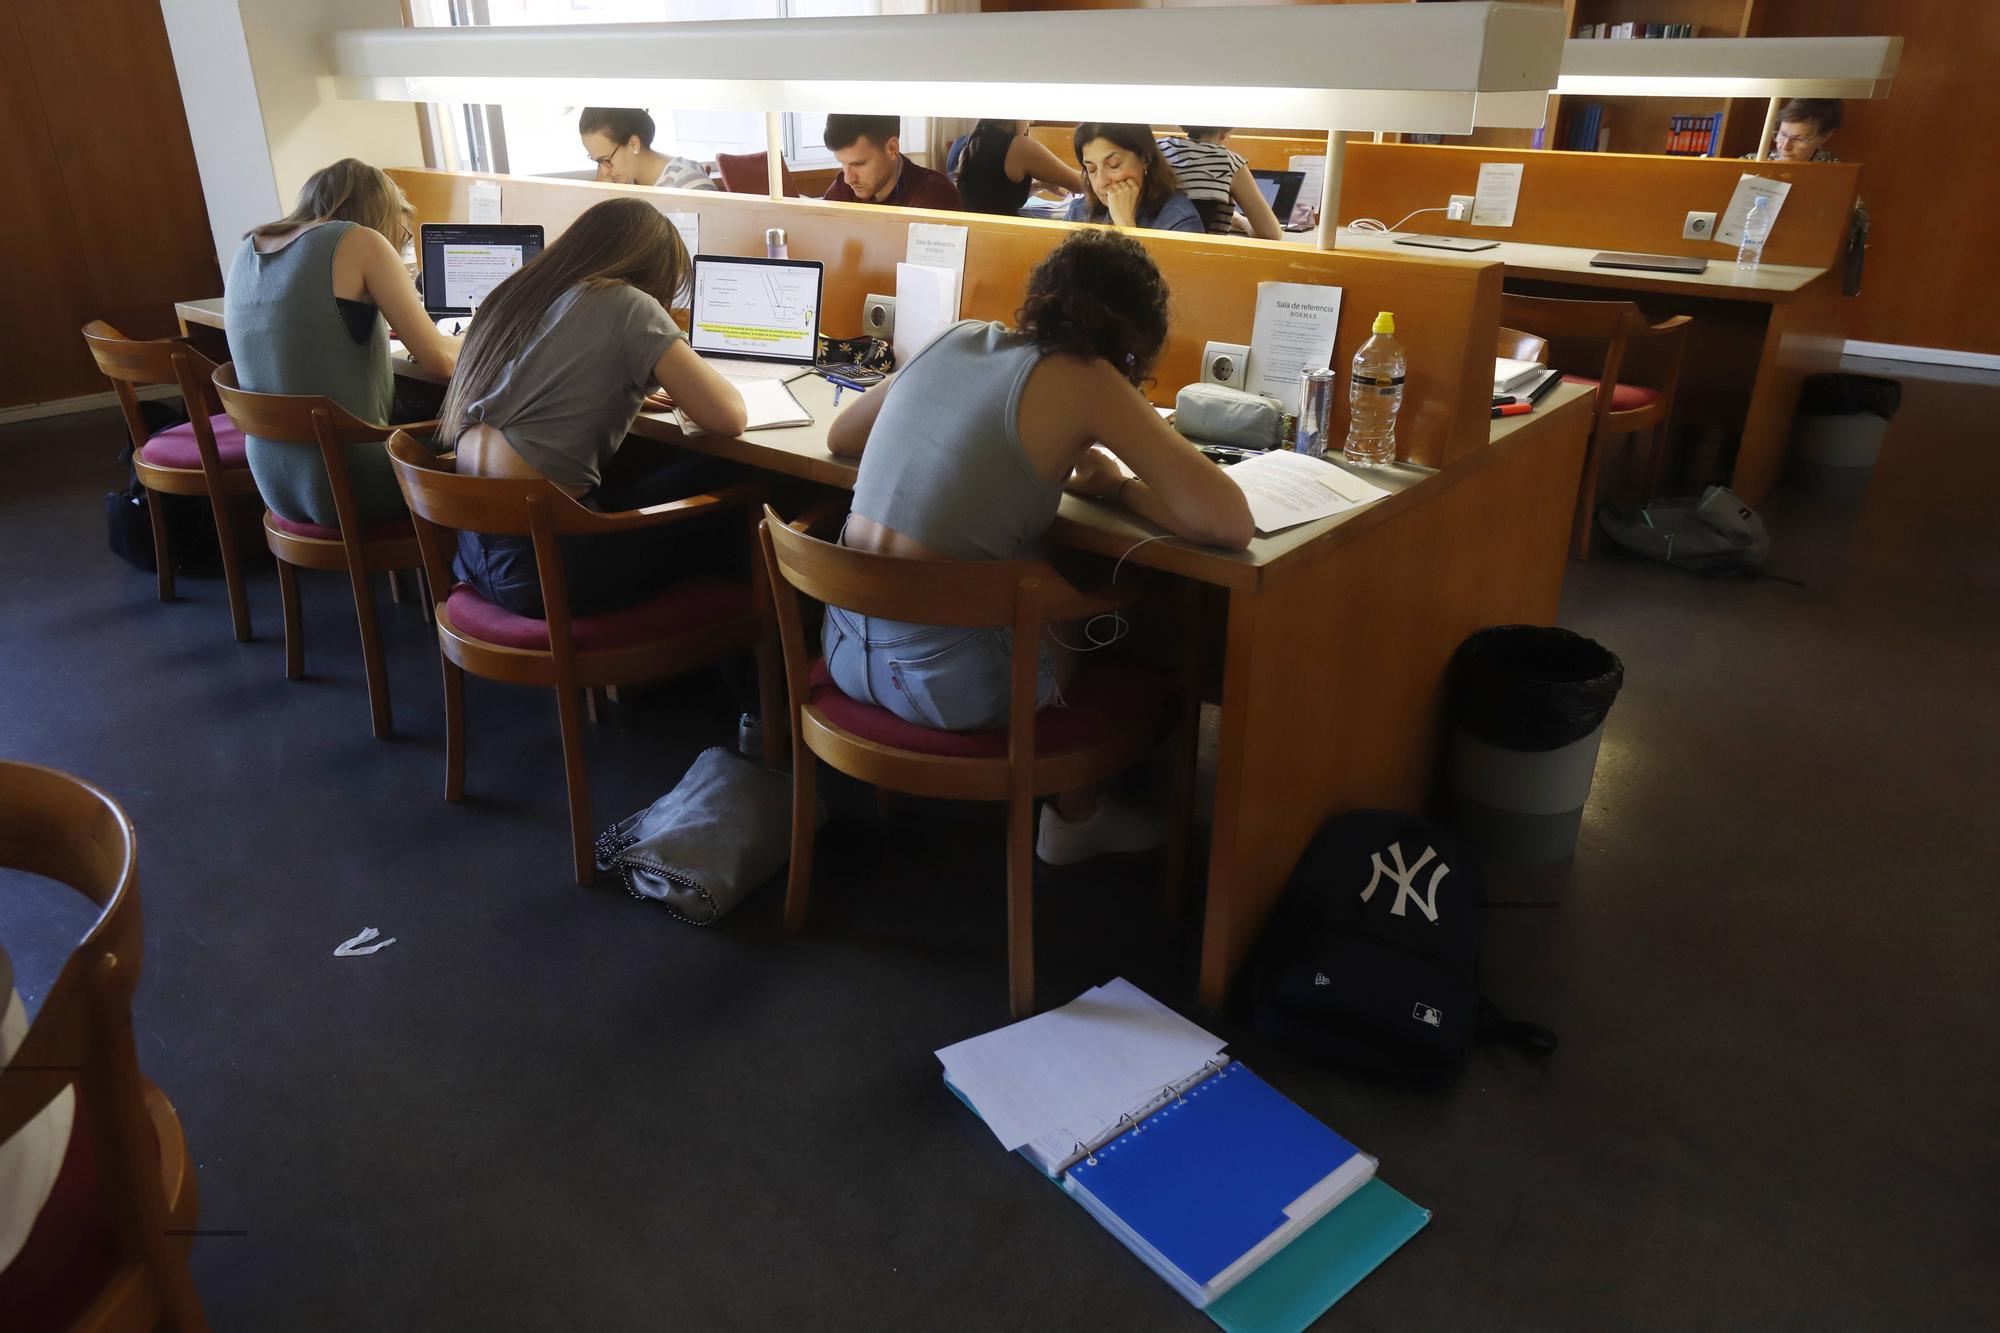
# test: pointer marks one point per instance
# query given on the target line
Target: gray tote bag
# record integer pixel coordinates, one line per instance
(706, 845)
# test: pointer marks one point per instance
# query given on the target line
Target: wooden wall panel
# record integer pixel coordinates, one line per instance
(1929, 177)
(45, 265)
(1446, 312)
(1600, 200)
(103, 207)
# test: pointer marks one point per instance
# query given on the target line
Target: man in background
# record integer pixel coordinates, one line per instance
(873, 169)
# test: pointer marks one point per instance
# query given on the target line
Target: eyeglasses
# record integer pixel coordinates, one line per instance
(1782, 139)
(605, 161)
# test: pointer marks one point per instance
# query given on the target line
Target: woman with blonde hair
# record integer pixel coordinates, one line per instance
(552, 375)
(305, 307)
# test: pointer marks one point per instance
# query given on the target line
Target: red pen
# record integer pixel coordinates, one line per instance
(1512, 410)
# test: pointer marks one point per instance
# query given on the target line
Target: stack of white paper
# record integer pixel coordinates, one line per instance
(1058, 1074)
(1286, 489)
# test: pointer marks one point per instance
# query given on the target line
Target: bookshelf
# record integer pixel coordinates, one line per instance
(1643, 124)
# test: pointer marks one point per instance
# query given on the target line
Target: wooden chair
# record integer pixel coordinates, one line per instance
(750, 173)
(1623, 408)
(1518, 346)
(354, 548)
(696, 622)
(109, 1249)
(202, 457)
(1113, 713)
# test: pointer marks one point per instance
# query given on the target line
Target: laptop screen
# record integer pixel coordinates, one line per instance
(462, 262)
(767, 309)
(1280, 189)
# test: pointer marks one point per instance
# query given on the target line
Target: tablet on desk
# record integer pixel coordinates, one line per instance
(1463, 243)
(1649, 263)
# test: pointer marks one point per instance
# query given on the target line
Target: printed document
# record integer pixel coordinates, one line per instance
(1293, 332)
(1499, 193)
(1286, 489)
(939, 245)
(1729, 228)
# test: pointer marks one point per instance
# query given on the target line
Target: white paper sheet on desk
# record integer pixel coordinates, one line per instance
(1071, 1065)
(1313, 168)
(1498, 194)
(484, 206)
(1286, 489)
(1293, 331)
(1729, 228)
(940, 245)
(689, 226)
(926, 305)
(770, 404)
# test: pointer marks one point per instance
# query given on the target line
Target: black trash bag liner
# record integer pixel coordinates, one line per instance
(1532, 687)
(1839, 394)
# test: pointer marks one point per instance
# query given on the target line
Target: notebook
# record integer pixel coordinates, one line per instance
(1509, 374)
(1213, 1184)
(769, 403)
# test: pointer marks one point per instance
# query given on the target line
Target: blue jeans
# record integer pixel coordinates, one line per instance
(948, 677)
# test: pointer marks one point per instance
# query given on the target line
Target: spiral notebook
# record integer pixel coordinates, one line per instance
(1250, 1207)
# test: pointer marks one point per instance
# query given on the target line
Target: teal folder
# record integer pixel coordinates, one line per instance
(1301, 1282)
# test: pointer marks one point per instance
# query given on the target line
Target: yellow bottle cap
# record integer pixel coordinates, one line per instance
(1385, 322)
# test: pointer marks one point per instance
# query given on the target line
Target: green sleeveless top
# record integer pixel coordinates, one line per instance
(286, 335)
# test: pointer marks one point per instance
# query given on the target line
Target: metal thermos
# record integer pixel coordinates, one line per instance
(774, 243)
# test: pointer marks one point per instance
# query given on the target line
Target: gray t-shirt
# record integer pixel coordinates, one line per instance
(566, 402)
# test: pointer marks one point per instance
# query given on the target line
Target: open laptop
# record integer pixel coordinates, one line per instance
(1280, 190)
(463, 261)
(756, 318)
(1649, 263)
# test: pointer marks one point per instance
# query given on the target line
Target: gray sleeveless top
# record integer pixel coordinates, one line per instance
(286, 335)
(944, 463)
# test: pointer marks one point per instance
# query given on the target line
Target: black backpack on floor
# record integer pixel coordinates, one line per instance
(128, 513)
(1371, 961)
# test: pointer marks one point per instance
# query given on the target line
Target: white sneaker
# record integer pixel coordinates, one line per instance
(1112, 827)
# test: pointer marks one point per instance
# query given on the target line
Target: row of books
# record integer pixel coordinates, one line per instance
(1585, 129)
(1638, 29)
(1694, 136)
(1248, 1206)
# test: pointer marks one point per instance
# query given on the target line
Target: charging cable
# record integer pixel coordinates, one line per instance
(1118, 627)
(1371, 224)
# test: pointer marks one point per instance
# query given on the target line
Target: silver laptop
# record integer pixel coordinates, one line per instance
(1649, 263)
(755, 319)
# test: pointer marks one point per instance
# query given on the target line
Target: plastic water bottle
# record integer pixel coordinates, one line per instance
(1756, 230)
(1374, 394)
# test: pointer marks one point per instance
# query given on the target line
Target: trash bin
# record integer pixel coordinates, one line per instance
(1527, 709)
(1837, 434)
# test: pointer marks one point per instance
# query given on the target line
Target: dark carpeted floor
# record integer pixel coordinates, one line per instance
(1773, 972)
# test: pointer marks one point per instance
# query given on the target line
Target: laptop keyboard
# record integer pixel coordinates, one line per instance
(734, 368)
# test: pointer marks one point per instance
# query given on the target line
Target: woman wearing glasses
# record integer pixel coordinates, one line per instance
(1804, 126)
(619, 140)
(306, 305)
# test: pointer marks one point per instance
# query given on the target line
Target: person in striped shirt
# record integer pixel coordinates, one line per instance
(619, 140)
(1217, 179)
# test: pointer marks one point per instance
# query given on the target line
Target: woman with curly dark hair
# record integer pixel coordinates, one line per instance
(965, 455)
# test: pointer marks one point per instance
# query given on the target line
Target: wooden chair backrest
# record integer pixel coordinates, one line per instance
(928, 592)
(1446, 309)
(127, 362)
(1518, 346)
(60, 827)
(305, 419)
(1613, 324)
(750, 173)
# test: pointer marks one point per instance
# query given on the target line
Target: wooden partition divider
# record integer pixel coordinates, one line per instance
(1446, 312)
(1606, 201)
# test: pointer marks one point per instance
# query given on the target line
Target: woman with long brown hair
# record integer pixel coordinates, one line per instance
(555, 369)
(306, 302)
(1127, 182)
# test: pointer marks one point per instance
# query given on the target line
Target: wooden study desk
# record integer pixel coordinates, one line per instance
(1335, 636)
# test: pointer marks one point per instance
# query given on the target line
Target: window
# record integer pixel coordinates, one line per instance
(540, 139)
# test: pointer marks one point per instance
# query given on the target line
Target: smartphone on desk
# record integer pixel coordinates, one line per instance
(850, 373)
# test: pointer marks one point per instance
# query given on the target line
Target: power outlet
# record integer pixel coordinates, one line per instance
(1698, 227)
(1458, 208)
(878, 317)
(1225, 363)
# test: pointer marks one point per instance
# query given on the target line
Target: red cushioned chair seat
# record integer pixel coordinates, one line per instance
(389, 530)
(1102, 702)
(695, 604)
(72, 1251)
(175, 446)
(1624, 397)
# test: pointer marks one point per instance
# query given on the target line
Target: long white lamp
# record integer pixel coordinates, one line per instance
(1435, 69)
(1772, 67)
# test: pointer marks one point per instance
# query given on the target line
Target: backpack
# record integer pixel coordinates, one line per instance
(1371, 961)
(1715, 536)
(128, 512)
